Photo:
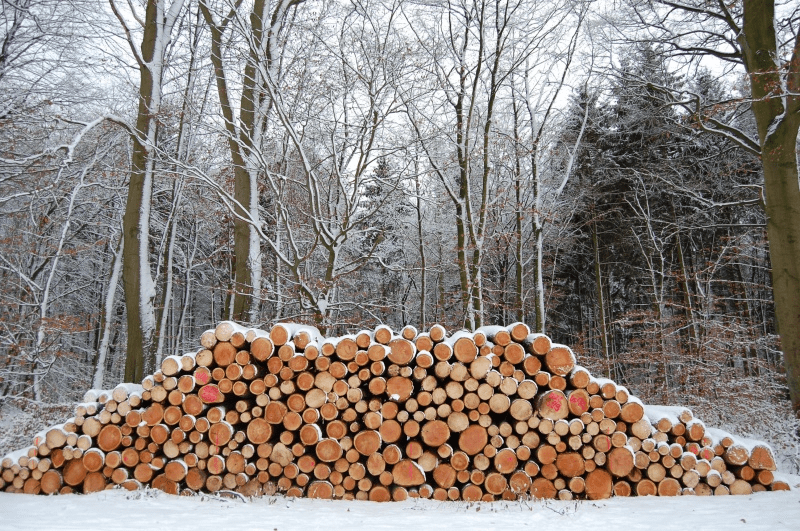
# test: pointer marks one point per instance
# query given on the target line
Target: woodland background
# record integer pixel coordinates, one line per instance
(345, 163)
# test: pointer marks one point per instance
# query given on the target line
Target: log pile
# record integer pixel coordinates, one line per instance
(498, 413)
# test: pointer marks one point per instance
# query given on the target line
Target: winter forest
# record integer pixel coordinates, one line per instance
(621, 175)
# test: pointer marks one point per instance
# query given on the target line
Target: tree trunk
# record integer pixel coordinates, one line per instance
(136, 276)
(108, 318)
(246, 246)
(776, 107)
(598, 281)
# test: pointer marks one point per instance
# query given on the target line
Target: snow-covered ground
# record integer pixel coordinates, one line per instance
(152, 510)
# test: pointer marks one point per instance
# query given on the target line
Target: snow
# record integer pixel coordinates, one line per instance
(136, 389)
(717, 435)
(13, 457)
(491, 330)
(458, 335)
(656, 413)
(98, 395)
(145, 510)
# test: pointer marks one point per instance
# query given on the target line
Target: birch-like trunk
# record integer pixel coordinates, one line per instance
(421, 246)
(108, 318)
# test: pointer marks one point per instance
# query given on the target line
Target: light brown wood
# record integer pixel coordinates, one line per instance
(505, 461)
(761, 458)
(521, 409)
(407, 473)
(553, 405)
(543, 488)
(620, 461)
(669, 487)
(463, 409)
(367, 442)
(578, 402)
(559, 360)
(399, 388)
(74, 472)
(51, 482)
(473, 439)
(329, 450)
(599, 484)
(109, 438)
(435, 433)
(570, 464)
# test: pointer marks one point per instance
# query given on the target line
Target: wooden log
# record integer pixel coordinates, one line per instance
(444, 475)
(329, 450)
(401, 351)
(505, 461)
(521, 409)
(465, 350)
(224, 354)
(736, 454)
(599, 484)
(382, 334)
(437, 333)
(262, 348)
(578, 402)
(553, 405)
(779, 485)
(322, 490)
(620, 461)
(495, 483)
(399, 388)
(532, 365)
(74, 472)
(480, 367)
(559, 360)
(211, 394)
(367, 442)
(208, 339)
(543, 488)
(435, 433)
(176, 470)
(632, 411)
(92, 426)
(94, 460)
(408, 473)
(259, 431)
(442, 351)
(570, 464)
(51, 482)
(761, 458)
(473, 439)
(220, 433)
(669, 487)
(690, 479)
(94, 482)
(109, 438)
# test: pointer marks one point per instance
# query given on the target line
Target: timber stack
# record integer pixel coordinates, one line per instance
(498, 413)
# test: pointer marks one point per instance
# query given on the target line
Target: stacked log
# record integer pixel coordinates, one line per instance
(498, 413)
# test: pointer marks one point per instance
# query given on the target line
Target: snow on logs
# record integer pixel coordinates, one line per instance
(498, 413)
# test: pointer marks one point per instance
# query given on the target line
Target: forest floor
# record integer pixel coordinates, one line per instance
(146, 510)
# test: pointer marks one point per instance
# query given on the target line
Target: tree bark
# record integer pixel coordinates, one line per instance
(776, 107)
(136, 275)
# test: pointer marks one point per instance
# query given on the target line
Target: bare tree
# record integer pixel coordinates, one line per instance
(148, 37)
